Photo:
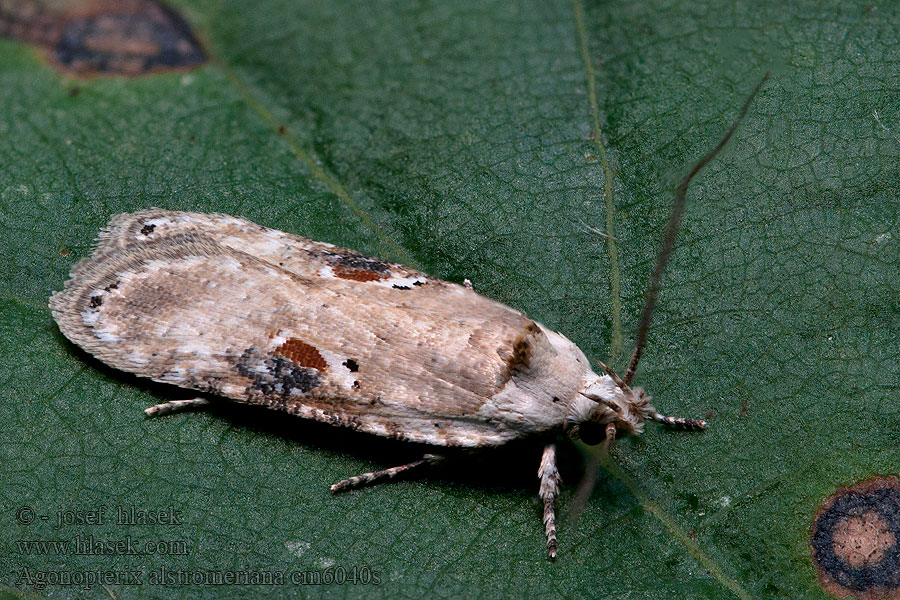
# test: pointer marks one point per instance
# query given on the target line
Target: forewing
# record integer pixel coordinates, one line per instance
(414, 363)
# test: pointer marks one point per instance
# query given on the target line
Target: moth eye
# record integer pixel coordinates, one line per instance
(591, 433)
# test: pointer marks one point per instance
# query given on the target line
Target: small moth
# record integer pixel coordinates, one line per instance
(235, 310)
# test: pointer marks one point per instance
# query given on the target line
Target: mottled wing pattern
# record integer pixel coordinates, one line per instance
(221, 305)
(293, 253)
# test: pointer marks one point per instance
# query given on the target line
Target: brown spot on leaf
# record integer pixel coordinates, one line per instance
(862, 540)
(856, 540)
(104, 37)
(302, 354)
(358, 274)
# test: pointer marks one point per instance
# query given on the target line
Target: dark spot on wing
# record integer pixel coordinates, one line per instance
(105, 37)
(401, 287)
(96, 301)
(112, 286)
(357, 274)
(855, 540)
(148, 229)
(351, 365)
(354, 260)
(348, 264)
(273, 375)
(303, 354)
(520, 356)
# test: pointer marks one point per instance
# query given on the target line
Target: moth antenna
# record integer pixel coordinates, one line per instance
(616, 379)
(671, 233)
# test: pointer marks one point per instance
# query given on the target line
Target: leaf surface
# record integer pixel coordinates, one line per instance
(479, 140)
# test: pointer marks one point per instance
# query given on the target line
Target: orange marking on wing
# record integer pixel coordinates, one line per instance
(303, 354)
(358, 274)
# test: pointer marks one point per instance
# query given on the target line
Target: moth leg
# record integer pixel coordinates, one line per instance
(678, 422)
(550, 481)
(468, 284)
(174, 405)
(384, 474)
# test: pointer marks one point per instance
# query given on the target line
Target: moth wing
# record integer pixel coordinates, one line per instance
(187, 310)
(290, 252)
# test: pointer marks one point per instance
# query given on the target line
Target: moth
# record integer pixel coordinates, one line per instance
(238, 311)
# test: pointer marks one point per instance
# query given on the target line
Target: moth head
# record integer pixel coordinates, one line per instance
(617, 408)
(613, 410)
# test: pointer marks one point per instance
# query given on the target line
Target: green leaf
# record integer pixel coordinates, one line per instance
(479, 140)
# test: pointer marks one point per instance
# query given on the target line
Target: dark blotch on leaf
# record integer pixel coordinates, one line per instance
(109, 37)
(855, 540)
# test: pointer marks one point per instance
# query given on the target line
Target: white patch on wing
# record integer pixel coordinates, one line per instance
(137, 358)
(377, 428)
(107, 336)
(403, 282)
(337, 371)
(90, 315)
(174, 375)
